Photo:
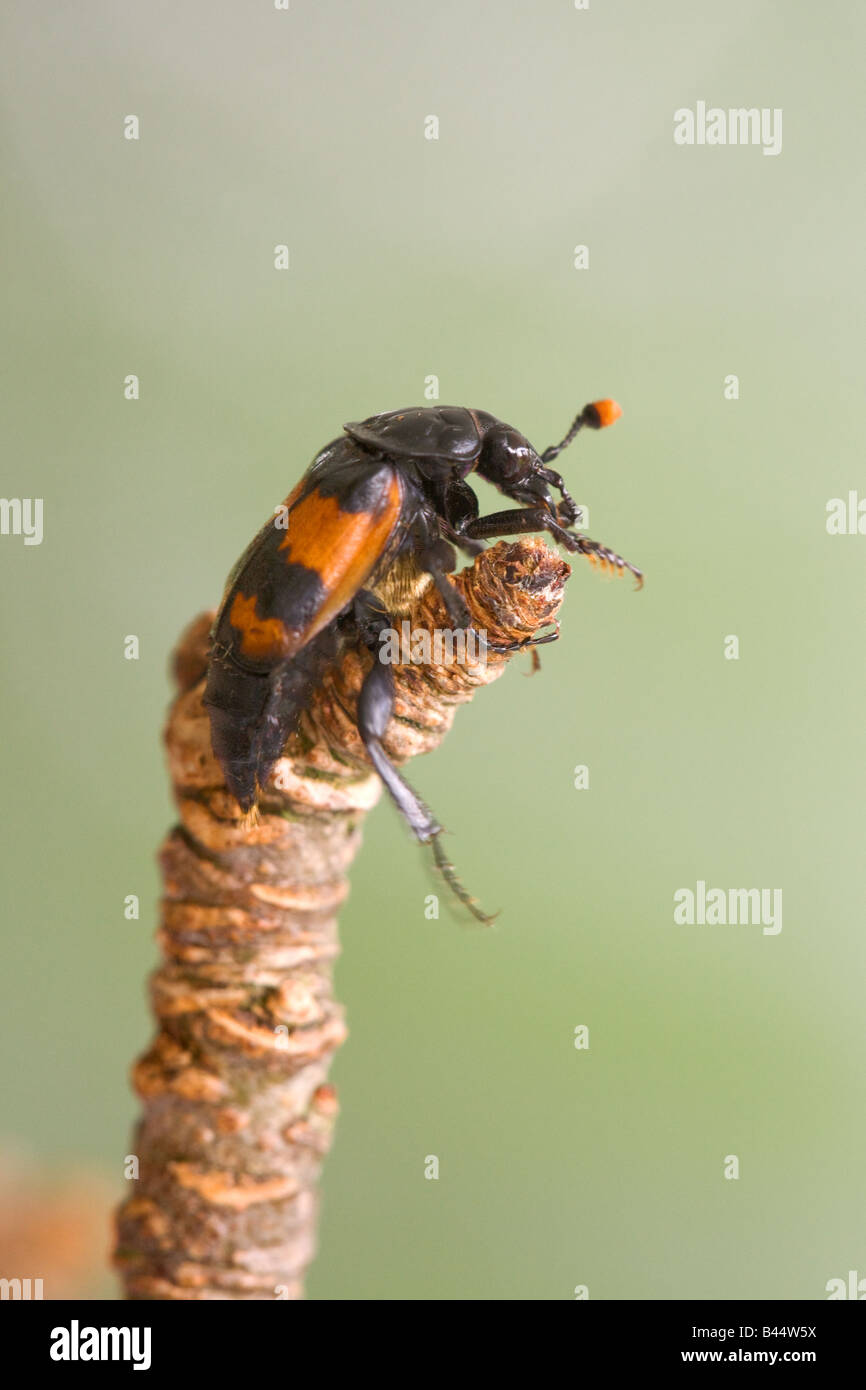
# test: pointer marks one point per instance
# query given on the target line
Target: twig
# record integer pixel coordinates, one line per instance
(238, 1112)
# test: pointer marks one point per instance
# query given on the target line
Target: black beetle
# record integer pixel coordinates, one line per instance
(377, 517)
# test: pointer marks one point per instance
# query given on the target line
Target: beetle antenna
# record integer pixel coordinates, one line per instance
(448, 872)
(597, 415)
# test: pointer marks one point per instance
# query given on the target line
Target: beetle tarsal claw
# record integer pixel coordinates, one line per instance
(448, 872)
(533, 641)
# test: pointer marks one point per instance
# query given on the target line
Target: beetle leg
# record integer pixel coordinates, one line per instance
(375, 707)
(540, 518)
(457, 608)
(519, 520)
(469, 547)
(528, 642)
(371, 618)
(458, 506)
(458, 538)
(439, 567)
(568, 509)
(439, 560)
(607, 559)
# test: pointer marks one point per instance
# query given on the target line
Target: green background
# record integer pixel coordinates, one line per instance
(454, 257)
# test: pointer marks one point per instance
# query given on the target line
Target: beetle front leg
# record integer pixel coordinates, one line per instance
(608, 559)
(439, 560)
(519, 521)
(528, 642)
(541, 518)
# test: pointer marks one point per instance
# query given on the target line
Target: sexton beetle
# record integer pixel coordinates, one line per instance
(378, 516)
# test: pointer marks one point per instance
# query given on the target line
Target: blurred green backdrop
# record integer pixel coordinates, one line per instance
(454, 257)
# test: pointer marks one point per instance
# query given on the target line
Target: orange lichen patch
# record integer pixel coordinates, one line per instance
(267, 971)
(295, 1003)
(230, 1120)
(151, 1220)
(193, 932)
(316, 1138)
(326, 898)
(253, 1040)
(314, 1130)
(168, 1069)
(181, 917)
(325, 1100)
(172, 998)
(214, 822)
(150, 1079)
(191, 762)
(359, 794)
(228, 1190)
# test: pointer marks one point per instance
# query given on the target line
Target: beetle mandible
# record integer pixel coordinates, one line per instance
(378, 516)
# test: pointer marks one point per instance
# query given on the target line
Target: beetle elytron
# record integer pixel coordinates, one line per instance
(377, 517)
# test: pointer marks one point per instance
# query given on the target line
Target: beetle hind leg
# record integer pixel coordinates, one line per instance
(448, 872)
(375, 708)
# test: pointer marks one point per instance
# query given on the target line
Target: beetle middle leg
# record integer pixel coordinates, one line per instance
(439, 559)
(431, 559)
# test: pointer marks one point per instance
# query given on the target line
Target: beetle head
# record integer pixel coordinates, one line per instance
(507, 458)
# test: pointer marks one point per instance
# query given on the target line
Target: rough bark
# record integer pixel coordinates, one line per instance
(237, 1109)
